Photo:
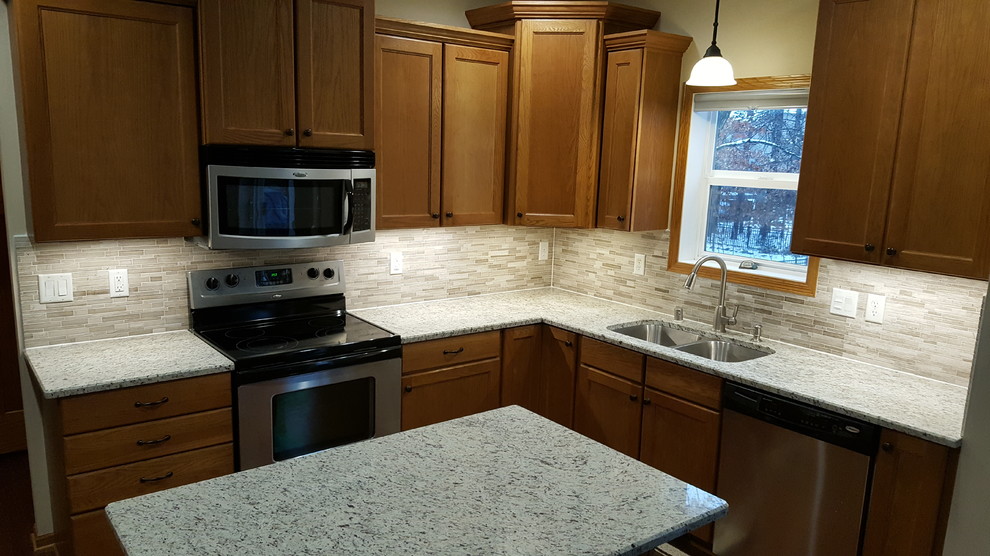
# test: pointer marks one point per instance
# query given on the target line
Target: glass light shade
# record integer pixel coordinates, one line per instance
(712, 71)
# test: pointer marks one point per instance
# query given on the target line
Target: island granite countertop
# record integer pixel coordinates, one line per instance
(900, 401)
(503, 482)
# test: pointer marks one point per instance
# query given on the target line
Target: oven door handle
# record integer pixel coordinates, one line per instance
(348, 206)
(278, 370)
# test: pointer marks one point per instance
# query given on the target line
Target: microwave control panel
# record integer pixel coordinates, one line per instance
(361, 206)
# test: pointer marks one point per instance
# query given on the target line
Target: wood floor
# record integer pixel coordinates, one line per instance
(16, 510)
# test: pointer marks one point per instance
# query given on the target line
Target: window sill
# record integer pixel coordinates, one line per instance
(807, 288)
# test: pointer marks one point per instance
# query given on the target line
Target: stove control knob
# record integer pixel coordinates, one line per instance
(313, 273)
(232, 280)
(328, 273)
(212, 283)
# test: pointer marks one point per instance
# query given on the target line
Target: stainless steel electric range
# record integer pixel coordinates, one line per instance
(307, 375)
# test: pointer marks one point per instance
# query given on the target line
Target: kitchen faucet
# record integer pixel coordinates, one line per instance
(721, 319)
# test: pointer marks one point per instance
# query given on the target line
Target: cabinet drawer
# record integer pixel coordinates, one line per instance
(148, 402)
(88, 491)
(105, 448)
(616, 360)
(689, 384)
(450, 351)
(92, 535)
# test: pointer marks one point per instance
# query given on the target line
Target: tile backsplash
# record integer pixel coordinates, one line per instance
(929, 327)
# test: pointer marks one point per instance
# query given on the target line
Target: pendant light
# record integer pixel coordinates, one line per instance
(713, 70)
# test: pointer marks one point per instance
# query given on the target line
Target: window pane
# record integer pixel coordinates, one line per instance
(759, 140)
(752, 222)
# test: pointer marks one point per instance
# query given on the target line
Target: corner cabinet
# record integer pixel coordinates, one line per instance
(441, 102)
(288, 72)
(893, 171)
(108, 92)
(556, 103)
(642, 85)
(538, 366)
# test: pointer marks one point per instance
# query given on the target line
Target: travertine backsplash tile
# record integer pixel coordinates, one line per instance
(929, 326)
(439, 263)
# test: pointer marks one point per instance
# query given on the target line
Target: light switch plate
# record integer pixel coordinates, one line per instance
(639, 264)
(875, 305)
(844, 303)
(54, 288)
(395, 262)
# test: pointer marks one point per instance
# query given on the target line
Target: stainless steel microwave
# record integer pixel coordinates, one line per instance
(285, 198)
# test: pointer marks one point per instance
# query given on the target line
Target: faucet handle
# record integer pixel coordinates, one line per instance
(732, 319)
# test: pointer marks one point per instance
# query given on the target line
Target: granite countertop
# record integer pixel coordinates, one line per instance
(84, 367)
(900, 401)
(497, 483)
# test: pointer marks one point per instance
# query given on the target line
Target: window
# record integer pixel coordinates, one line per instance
(737, 182)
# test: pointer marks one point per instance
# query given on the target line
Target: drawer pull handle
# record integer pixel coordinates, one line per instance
(408, 388)
(568, 343)
(633, 397)
(453, 351)
(165, 438)
(153, 479)
(151, 404)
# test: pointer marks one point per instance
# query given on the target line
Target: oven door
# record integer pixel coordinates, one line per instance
(287, 417)
(278, 208)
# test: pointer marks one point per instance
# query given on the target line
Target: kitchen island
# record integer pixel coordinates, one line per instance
(502, 482)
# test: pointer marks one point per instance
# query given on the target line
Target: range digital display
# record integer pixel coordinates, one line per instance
(273, 277)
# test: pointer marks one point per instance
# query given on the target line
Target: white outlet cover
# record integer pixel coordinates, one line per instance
(395, 262)
(844, 303)
(54, 288)
(639, 264)
(118, 282)
(544, 250)
(875, 305)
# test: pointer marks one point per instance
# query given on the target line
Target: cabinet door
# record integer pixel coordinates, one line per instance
(444, 394)
(247, 72)
(109, 97)
(939, 218)
(853, 112)
(555, 166)
(523, 380)
(559, 365)
(92, 535)
(475, 89)
(623, 85)
(608, 409)
(409, 77)
(334, 73)
(909, 475)
(681, 439)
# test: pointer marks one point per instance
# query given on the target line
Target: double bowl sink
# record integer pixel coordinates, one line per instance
(690, 342)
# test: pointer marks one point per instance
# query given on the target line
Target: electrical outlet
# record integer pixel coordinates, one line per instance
(874, 308)
(544, 250)
(118, 282)
(395, 262)
(54, 288)
(639, 264)
(844, 303)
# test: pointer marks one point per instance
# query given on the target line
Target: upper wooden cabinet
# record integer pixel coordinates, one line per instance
(441, 103)
(108, 91)
(556, 110)
(892, 172)
(287, 72)
(642, 85)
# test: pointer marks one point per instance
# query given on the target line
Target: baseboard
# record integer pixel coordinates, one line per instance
(44, 545)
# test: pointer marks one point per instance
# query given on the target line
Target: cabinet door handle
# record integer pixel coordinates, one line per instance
(165, 438)
(620, 218)
(869, 247)
(195, 221)
(647, 401)
(308, 132)
(408, 388)
(887, 447)
(450, 215)
(891, 251)
(290, 132)
(453, 351)
(151, 404)
(154, 479)
(435, 215)
(519, 215)
(633, 397)
(568, 343)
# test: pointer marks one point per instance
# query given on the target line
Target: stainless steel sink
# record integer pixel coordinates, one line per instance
(658, 333)
(721, 350)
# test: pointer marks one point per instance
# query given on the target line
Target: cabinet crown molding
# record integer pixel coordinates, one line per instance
(617, 15)
(647, 38)
(443, 33)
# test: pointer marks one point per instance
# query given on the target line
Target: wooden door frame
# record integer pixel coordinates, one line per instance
(12, 436)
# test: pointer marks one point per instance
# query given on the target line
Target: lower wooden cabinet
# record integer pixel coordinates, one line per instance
(608, 409)
(92, 535)
(538, 369)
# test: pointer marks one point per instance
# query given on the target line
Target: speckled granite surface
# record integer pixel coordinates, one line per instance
(80, 368)
(497, 483)
(900, 401)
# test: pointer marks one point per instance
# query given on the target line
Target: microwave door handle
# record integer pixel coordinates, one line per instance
(348, 206)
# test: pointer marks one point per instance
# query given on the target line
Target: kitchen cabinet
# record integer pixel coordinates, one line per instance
(608, 397)
(441, 103)
(538, 370)
(123, 443)
(287, 72)
(556, 103)
(892, 172)
(909, 499)
(108, 93)
(642, 88)
(449, 378)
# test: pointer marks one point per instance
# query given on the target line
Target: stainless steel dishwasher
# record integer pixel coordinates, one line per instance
(796, 477)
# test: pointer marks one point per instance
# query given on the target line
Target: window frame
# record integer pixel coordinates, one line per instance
(810, 284)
